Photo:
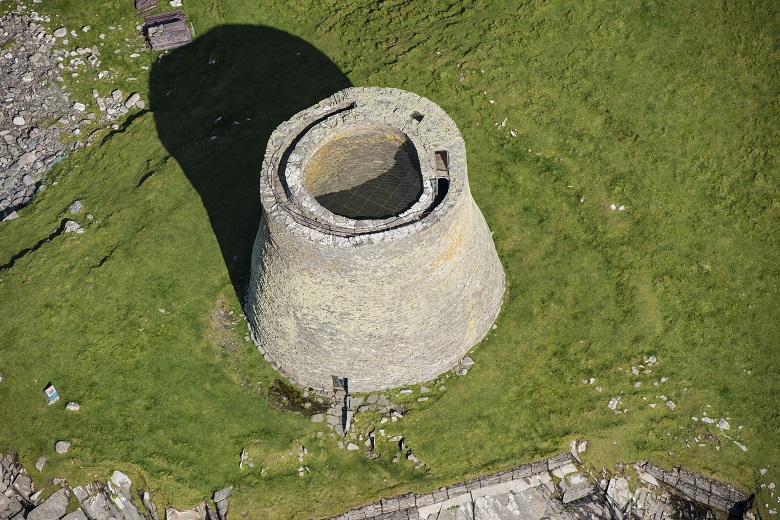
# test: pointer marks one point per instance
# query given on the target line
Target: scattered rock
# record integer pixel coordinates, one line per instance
(34, 497)
(196, 513)
(619, 492)
(73, 227)
(62, 447)
(10, 506)
(613, 403)
(723, 424)
(54, 507)
(23, 485)
(78, 514)
(351, 446)
(577, 492)
(81, 494)
(121, 483)
(132, 100)
(40, 463)
(73, 406)
(32, 68)
(463, 366)
(100, 506)
(671, 405)
(222, 494)
(150, 506)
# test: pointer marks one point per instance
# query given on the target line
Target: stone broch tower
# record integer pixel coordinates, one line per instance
(372, 262)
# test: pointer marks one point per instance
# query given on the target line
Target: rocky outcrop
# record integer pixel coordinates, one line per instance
(113, 499)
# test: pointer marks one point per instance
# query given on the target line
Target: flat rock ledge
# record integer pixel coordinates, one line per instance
(561, 488)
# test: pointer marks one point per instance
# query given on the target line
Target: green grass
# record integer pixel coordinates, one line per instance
(671, 111)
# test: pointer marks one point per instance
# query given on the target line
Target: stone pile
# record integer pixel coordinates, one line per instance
(39, 122)
(116, 105)
(344, 407)
(463, 366)
(29, 95)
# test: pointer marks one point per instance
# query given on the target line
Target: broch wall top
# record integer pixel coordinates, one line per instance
(383, 301)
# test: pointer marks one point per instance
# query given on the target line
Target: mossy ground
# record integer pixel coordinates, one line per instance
(566, 108)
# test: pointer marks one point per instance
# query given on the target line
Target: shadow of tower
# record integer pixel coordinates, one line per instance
(216, 102)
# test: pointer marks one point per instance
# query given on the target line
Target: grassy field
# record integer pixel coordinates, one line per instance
(670, 111)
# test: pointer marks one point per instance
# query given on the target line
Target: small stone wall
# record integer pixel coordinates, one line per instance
(561, 488)
(706, 491)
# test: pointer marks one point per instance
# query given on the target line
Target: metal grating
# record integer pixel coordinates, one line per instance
(371, 175)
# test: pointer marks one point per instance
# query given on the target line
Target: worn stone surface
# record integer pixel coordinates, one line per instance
(100, 507)
(577, 492)
(458, 512)
(80, 493)
(150, 506)
(196, 513)
(619, 492)
(62, 447)
(24, 486)
(222, 494)
(78, 514)
(315, 304)
(53, 508)
(121, 482)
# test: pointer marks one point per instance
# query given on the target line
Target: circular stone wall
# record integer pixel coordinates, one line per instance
(372, 261)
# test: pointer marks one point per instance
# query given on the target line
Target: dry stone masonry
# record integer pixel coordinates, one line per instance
(372, 263)
(563, 489)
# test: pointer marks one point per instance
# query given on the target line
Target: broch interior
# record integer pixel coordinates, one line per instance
(371, 172)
